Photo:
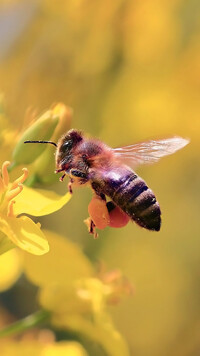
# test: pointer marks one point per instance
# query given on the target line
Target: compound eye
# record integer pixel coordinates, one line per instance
(67, 145)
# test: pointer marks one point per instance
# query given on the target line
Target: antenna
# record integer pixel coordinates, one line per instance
(52, 143)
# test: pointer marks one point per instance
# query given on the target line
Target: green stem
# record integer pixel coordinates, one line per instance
(22, 325)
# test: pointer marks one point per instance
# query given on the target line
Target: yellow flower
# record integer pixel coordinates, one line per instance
(17, 229)
(20, 231)
(82, 309)
(70, 289)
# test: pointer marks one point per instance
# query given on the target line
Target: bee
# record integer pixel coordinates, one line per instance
(109, 172)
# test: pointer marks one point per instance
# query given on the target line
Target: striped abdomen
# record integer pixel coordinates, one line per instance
(132, 195)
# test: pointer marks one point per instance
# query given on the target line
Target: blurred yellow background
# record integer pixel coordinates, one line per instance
(131, 71)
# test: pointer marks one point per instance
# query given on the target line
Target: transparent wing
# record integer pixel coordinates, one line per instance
(150, 151)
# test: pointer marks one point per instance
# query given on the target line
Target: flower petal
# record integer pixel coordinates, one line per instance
(24, 233)
(39, 202)
(10, 267)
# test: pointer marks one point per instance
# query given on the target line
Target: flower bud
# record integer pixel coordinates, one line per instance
(64, 114)
(44, 166)
(42, 129)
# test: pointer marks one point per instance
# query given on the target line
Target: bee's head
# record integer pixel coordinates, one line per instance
(65, 149)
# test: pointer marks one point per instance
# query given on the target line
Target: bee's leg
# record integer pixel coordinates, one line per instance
(91, 227)
(82, 178)
(70, 182)
(79, 174)
(70, 186)
(61, 178)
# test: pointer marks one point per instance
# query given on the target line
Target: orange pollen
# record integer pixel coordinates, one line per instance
(14, 192)
(10, 212)
(5, 176)
(20, 179)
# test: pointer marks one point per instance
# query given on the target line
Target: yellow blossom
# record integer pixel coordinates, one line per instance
(77, 299)
(20, 231)
(81, 308)
(17, 229)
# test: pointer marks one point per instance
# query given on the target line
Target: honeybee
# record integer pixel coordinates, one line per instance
(109, 173)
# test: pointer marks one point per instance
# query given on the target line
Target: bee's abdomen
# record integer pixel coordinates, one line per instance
(139, 202)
